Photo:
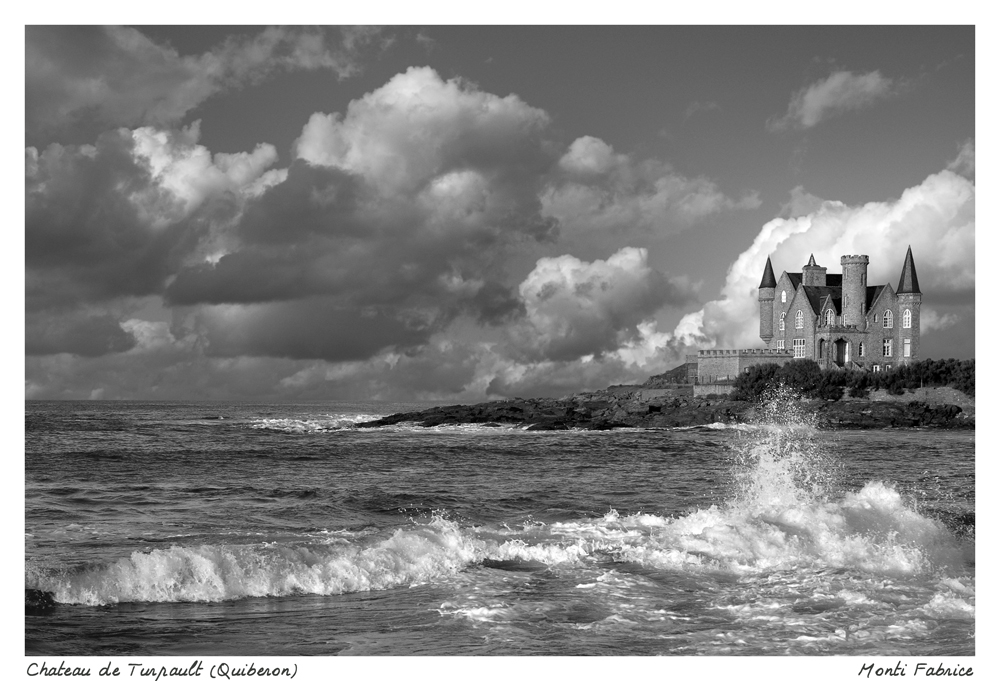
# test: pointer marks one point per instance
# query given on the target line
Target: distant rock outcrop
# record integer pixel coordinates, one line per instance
(639, 407)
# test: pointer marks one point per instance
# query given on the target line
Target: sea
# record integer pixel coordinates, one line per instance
(249, 529)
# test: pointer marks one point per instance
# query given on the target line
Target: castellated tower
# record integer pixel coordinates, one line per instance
(854, 287)
(765, 296)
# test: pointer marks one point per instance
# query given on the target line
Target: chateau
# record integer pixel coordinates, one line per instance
(837, 320)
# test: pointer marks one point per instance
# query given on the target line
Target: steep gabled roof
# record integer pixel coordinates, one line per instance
(835, 280)
(795, 277)
(817, 294)
(767, 281)
(908, 277)
(871, 295)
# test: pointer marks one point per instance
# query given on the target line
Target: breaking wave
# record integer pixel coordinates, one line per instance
(784, 513)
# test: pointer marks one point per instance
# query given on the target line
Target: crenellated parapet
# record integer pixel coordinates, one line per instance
(747, 352)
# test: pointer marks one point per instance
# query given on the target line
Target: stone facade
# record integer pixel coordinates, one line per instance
(839, 320)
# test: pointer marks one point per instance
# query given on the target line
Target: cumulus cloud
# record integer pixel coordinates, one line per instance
(117, 218)
(600, 190)
(395, 224)
(191, 173)
(418, 127)
(841, 91)
(405, 206)
(85, 79)
(937, 218)
(575, 308)
(965, 162)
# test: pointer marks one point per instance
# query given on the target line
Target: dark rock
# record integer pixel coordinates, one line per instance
(607, 410)
(37, 602)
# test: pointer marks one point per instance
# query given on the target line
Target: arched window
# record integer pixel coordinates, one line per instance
(799, 320)
(907, 319)
(783, 296)
(829, 317)
(781, 322)
(887, 320)
(861, 348)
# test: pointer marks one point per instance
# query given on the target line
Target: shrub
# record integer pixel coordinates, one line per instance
(801, 375)
(751, 384)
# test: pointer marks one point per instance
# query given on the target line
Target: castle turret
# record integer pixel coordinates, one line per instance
(854, 288)
(908, 298)
(765, 296)
(813, 274)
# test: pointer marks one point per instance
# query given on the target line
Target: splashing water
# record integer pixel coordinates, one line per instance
(778, 462)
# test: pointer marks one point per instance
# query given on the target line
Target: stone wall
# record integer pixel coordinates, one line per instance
(701, 390)
(725, 365)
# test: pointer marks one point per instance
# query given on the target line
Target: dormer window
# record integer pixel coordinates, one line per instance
(783, 293)
(829, 317)
(887, 320)
(799, 320)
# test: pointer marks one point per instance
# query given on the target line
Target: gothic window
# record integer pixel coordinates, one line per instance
(799, 320)
(906, 347)
(887, 347)
(907, 319)
(783, 296)
(799, 347)
(781, 344)
(781, 322)
(887, 320)
(829, 317)
(861, 349)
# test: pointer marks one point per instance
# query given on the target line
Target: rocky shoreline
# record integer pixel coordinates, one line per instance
(639, 408)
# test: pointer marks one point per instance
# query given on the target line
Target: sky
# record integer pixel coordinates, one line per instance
(463, 213)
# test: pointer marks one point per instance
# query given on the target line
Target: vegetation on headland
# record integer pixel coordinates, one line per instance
(805, 377)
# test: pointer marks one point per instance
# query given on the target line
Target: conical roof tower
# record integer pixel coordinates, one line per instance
(908, 277)
(768, 280)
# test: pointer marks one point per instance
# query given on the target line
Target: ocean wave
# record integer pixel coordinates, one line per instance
(315, 424)
(870, 531)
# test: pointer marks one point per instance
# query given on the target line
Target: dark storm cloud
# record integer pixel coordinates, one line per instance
(325, 232)
(78, 333)
(307, 329)
(81, 80)
(86, 237)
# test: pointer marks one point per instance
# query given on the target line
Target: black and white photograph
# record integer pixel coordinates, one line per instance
(500, 340)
